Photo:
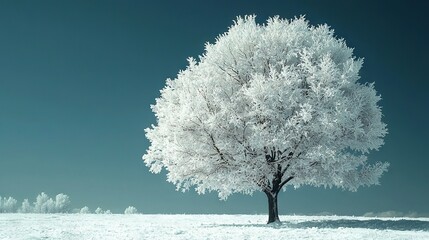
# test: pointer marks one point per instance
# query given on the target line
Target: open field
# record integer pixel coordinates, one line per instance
(119, 226)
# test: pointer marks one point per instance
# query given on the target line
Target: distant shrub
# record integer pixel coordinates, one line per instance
(130, 210)
(44, 204)
(8, 205)
(84, 210)
(62, 203)
(99, 210)
(26, 207)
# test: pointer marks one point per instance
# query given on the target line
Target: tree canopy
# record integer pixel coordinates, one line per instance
(266, 106)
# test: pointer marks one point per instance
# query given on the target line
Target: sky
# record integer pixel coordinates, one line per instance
(77, 79)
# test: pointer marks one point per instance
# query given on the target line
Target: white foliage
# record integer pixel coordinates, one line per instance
(277, 99)
(26, 207)
(8, 205)
(45, 204)
(99, 210)
(84, 210)
(130, 210)
(62, 203)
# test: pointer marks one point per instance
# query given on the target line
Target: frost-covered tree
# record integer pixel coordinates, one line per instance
(1, 204)
(265, 107)
(26, 207)
(130, 210)
(84, 210)
(62, 203)
(8, 205)
(45, 204)
(99, 210)
(41, 205)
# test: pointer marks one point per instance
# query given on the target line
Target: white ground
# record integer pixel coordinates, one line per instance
(119, 226)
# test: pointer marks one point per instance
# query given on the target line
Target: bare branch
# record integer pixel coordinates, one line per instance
(285, 181)
(216, 148)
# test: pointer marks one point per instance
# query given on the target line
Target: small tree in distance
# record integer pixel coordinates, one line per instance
(26, 207)
(45, 204)
(8, 205)
(85, 210)
(130, 210)
(62, 203)
(99, 210)
(267, 106)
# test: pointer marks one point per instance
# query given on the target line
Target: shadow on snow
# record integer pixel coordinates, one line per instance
(400, 225)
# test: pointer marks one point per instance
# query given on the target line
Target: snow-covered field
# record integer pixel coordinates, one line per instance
(119, 226)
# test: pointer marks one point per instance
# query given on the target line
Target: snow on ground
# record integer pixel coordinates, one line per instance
(120, 226)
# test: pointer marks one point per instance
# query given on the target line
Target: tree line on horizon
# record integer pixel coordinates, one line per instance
(44, 204)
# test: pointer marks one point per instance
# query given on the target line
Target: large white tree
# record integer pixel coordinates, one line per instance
(267, 106)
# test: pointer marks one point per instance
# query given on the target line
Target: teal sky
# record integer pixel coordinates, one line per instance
(77, 79)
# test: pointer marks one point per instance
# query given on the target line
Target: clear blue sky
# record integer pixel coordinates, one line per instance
(77, 79)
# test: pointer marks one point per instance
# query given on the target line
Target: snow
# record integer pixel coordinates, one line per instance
(143, 226)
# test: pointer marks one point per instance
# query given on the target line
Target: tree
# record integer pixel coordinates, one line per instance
(84, 210)
(45, 204)
(8, 205)
(42, 203)
(99, 210)
(268, 106)
(26, 207)
(130, 210)
(62, 203)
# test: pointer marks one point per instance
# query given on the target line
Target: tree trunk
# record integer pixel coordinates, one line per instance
(273, 212)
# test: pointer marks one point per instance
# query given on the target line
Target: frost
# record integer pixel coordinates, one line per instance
(26, 207)
(84, 210)
(99, 210)
(231, 227)
(130, 210)
(266, 106)
(45, 204)
(8, 205)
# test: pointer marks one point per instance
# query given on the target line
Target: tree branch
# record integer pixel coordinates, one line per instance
(286, 168)
(216, 148)
(229, 74)
(285, 181)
